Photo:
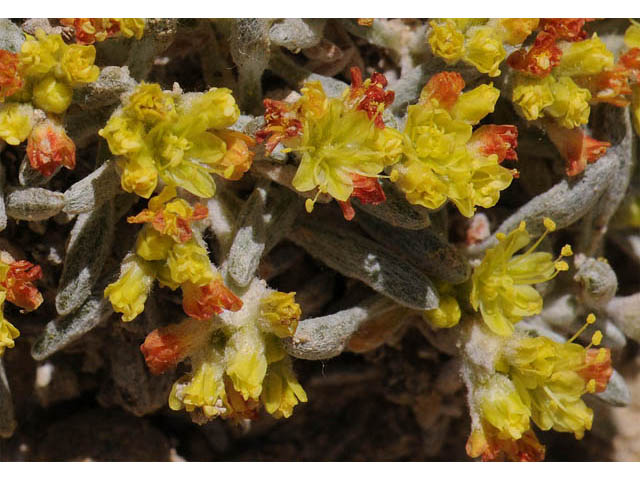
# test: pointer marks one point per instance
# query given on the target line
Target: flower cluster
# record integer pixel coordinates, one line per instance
(43, 75)
(478, 42)
(167, 250)
(502, 283)
(559, 77)
(91, 30)
(179, 138)
(343, 143)
(16, 286)
(237, 360)
(539, 380)
(444, 159)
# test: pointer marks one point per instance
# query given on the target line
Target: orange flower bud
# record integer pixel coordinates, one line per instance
(540, 59)
(165, 347)
(370, 96)
(492, 448)
(49, 147)
(631, 61)
(445, 87)
(281, 123)
(610, 86)
(570, 29)
(576, 147)
(204, 302)
(501, 140)
(597, 367)
(10, 79)
(365, 189)
(238, 158)
(90, 30)
(19, 286)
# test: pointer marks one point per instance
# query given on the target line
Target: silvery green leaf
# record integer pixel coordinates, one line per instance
(7, 419)
(396, 210)
(617, 392)
(597, 279)
(89, 245)
(106, 90)
(11, 37)
(33, 204)
(422, 248)
(223, 212)
(63, 331)
(625, 313)
(159, 33)
(280, 213)
(356, 256)
(295, 33)
(93, 190)
(326, 337)
(249, 239)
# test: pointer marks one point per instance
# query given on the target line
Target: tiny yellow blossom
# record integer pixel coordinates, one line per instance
(247, 362)
(474, 105)
(39, 55)
(632, 35)
(485, 51)
(52, 95)
(139, 174)
(501, 284)
(533, 95)
(8, 333)
(129, 293)
(446, 41)
(132, 27)
(189, 262)
(279, 313)
(587, 57)
(447, 314)
(501, 406)
(149, 104)
(516, 30)
(281, 391)
(77, 65)
(570, 103)
(16, 122)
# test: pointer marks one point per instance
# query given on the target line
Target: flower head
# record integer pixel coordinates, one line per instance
(443, 159)
(11, 80)
(181, 139)
(16, 122)
(49, 147)
(502, 284)
(339, 140)
(129, 293)
(279, 314)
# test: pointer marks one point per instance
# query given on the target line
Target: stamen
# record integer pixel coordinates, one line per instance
(591, 319)
(566, 251)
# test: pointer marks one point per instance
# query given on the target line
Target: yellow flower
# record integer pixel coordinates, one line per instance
(131, 27)
(204, 389)
(77, 65)
(446, 41)
(587, 57)
(39, 55)
(516, 30)
(247, 362)
(16, 122)
(153, 245)
(570, 103)
(501, 406)
(501, 284)
(279, 314)
(182, 140)
(124, 135)
(632, 35)
(52, 95)
(129, 293)
(338, 145)
(139, 174)
(474, 105)
(485, 51)
(8, 333)
(281, 392)
(447, 314)
(439, 160)
(533, 95)
(150, 104)
(189, 262)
